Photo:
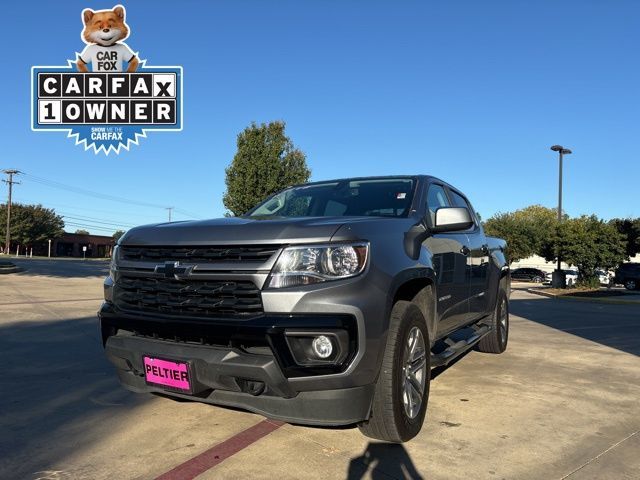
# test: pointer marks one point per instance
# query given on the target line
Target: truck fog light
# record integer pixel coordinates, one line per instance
(319, 347)
(322, 346)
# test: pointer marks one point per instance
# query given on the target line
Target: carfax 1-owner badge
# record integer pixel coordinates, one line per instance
(107, 98)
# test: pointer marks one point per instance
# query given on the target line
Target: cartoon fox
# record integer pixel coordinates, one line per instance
(103, 31)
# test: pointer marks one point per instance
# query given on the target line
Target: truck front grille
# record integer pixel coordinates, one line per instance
(196, 298)
(199, 254)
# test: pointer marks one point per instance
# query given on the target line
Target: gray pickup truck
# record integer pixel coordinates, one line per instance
(327, 304)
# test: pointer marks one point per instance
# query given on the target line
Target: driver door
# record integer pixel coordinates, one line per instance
(450, 252)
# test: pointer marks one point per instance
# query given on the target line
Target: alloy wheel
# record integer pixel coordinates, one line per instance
(503, 320)
(414, 373)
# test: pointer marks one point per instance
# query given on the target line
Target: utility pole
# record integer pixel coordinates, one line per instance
(169, 209)
(10, 182)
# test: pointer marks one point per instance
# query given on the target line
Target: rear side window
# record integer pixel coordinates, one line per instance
(458, 200)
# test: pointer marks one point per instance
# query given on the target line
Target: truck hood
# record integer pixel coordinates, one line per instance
(237, 230)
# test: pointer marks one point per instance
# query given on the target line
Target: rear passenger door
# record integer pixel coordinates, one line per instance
(450, 265)
(478, 260)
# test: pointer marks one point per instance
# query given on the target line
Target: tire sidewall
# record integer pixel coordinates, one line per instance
(409, 427)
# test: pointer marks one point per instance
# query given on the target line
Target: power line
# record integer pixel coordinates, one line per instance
(147, 216)
(186, 213)
(103, 196)
(89, 227)
(97, 220)
(73, 216)
(90, 193)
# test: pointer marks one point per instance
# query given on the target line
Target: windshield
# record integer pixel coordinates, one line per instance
(387, 197)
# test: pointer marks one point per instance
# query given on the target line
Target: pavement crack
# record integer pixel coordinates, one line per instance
(600, 455)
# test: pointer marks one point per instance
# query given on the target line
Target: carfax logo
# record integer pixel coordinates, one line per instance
(99, 103)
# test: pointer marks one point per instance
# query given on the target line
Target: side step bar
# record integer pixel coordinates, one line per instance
(456, 348)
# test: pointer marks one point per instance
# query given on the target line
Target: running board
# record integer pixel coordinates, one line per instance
(456, 348)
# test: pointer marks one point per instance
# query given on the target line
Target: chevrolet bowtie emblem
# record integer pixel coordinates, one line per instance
(174, 270)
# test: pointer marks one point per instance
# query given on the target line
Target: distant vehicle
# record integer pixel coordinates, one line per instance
(528, 275)
(628, 274)
(603, 276)
(571, 276)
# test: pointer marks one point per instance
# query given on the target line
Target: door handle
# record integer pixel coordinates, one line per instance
(465, 250)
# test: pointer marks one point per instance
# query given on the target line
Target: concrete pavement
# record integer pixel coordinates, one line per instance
(562, 402)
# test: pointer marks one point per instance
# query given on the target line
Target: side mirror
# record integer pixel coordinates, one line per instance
(452, 219)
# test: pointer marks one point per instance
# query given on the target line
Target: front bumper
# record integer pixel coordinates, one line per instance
(228, 373)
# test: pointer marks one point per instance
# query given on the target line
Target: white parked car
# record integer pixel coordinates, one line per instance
(570, 273)
(603, 277)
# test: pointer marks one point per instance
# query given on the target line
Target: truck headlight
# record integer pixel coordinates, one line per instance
(304, 265)
(113, 265)
(111, 279)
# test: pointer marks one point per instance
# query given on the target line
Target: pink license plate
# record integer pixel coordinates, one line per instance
(167, 373)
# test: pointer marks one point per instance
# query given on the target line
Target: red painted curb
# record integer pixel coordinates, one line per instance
(219, 453)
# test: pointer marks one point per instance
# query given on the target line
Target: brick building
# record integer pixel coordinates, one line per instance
(70, 245)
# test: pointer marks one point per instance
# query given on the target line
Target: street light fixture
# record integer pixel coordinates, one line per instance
(559, 278)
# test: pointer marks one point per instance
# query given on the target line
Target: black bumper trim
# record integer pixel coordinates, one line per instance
(219, 371)
(265, 330)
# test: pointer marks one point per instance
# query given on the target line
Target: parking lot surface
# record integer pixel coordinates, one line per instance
(561, 402)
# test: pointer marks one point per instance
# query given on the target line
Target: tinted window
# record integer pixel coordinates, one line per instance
(388, 197)
(436, 198)
(458, 200)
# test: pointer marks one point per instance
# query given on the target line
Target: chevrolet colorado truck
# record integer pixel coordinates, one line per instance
(327, 304)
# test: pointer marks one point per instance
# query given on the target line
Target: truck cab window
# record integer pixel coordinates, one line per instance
(459, 201)
(436, 198)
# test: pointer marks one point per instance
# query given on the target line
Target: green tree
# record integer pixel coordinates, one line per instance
(266, 161)
(117, 234)
(630, 228)
(588, 243)
(81, 231)
(526, 231)
(31, 224)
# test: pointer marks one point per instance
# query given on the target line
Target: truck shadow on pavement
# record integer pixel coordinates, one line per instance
(383, 461)
(615, 326)
(59, 394)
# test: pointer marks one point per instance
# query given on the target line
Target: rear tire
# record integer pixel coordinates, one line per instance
(496, 340)
(630, 284)
(402, 390)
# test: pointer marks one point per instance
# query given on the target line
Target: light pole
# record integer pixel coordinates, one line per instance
(559, 278)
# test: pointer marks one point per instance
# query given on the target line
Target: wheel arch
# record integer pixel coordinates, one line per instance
(420, 290)
(502, 282)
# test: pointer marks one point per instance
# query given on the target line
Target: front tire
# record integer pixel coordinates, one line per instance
(402, 390)
(496, 340)
(630, 284)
